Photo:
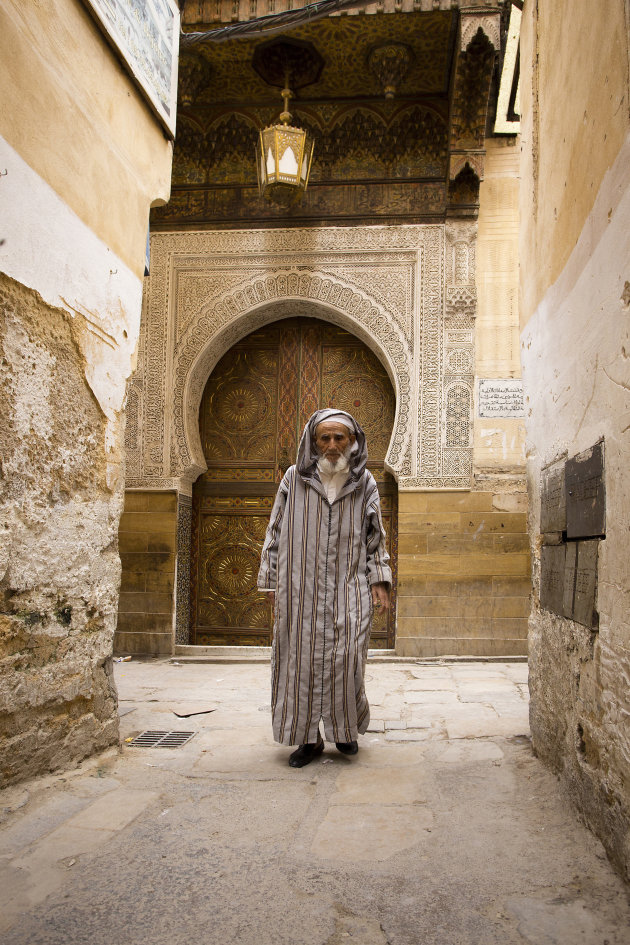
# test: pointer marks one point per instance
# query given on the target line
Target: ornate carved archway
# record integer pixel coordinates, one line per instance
(285, 295)
(407, 291)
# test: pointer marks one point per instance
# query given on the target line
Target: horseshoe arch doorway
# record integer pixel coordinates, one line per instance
(253, 411)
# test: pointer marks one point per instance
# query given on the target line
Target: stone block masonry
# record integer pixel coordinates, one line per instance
(463, 574)
(59, 566)
(148, 546)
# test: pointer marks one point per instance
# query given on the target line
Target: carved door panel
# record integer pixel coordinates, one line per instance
(252, 414)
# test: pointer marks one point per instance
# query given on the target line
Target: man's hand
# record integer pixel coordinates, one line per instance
(380, 597)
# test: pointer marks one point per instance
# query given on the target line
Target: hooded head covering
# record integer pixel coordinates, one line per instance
(307, 451)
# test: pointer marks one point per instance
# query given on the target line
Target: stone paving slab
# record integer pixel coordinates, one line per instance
(443, 830)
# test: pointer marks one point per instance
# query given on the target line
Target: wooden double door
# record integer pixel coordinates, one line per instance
(254, 408)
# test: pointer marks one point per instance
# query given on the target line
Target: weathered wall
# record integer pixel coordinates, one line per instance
(575, 247)
(58, 556)
(84, 160)
(75, 117)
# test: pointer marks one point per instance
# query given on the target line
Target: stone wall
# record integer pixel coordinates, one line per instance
(463, 573)
(58, 558)
(575, 247)
(83, 157)
(148, 545)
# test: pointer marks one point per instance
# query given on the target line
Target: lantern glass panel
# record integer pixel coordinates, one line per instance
(287, 165)
(271, 164)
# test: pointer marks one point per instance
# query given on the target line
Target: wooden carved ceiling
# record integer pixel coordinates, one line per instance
(416, 157)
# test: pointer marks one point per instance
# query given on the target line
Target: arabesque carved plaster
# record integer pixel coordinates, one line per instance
(407, 291)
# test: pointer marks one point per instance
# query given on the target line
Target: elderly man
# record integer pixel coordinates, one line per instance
(324, 559)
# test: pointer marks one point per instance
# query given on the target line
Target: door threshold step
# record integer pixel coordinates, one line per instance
(262, 654)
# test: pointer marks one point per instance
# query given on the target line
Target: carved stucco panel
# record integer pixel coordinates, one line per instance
(281, 295)
(407, 291)
(489, 24)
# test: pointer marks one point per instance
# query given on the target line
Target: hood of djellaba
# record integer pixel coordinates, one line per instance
(307, 451)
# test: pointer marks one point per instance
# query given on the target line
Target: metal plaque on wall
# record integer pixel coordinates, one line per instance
(145, 33)
(552, 578)
(584, 481)
(568, 580)
(586, 583)
(553, 508)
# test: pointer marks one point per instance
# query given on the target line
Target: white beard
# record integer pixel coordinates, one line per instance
(329, 468)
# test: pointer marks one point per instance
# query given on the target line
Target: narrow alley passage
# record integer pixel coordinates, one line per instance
(443, 830)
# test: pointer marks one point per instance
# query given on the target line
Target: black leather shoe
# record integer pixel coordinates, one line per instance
(347, 748)
(305, 754)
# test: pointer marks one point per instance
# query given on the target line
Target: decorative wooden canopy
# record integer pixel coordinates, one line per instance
(399, 114)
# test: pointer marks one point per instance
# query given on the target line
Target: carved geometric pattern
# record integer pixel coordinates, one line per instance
(364, 201)
(458, 411)
(392, 286)
(478, 47)
(288, 420)
(431, 360)
(390, 63)
(360, 143)
(459, 361)
(461, 303)
(320, 287)
(230, 572)
(464, 184)
(184, 539)
(360, 388)
(310, 376)
(472, 23)
(425, 28)
(472, 84)
(238, 412)
(333, 368)
(460, 262)
(133, 428)
(460, 254)
(227, 566)
(330, 273)
(363, 144)
(459, 318)
(194, 74)
(457, 463)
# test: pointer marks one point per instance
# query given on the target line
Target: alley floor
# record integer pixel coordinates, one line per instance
(443, 830)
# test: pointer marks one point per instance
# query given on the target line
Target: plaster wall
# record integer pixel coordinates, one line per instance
(499, 442)
(83, 160)
(76, 118)
(574, 122)
(575, 343)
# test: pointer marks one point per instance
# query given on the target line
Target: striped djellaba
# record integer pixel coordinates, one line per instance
(321, 560)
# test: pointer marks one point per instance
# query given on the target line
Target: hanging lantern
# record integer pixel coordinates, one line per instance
(283, 158)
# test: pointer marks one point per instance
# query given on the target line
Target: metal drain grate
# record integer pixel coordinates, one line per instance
(161, 739)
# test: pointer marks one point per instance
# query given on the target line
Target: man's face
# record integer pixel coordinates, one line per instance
(332, 439)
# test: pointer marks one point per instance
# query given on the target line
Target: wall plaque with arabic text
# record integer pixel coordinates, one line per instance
(501, 399)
